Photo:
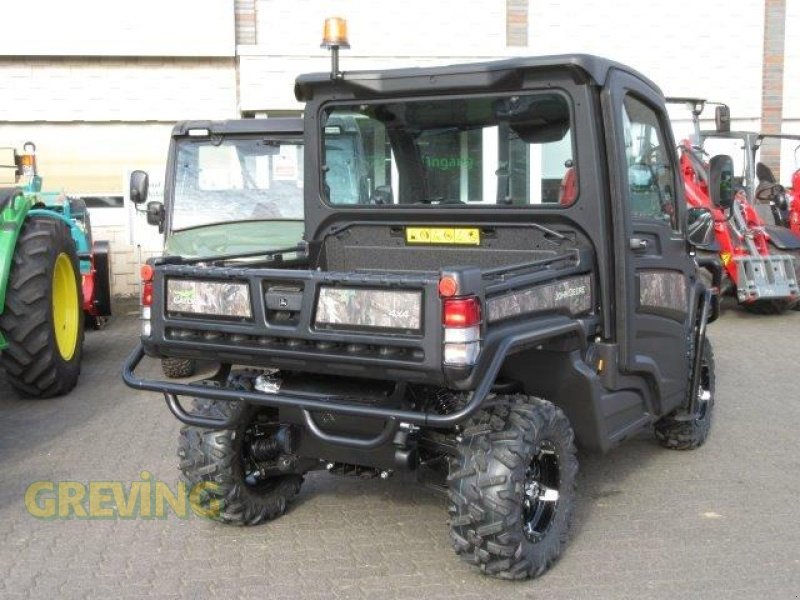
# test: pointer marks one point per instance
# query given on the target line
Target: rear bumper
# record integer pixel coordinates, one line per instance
(480, 384)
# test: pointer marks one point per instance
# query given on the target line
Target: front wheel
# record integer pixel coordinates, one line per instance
(512, 487)
(687, 434)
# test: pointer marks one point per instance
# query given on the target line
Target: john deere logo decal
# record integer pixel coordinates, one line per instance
(183, 297)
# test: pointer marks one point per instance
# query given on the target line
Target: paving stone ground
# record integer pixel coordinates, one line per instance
(721, 522)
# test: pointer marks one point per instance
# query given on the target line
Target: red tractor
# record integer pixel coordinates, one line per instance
(761, 263)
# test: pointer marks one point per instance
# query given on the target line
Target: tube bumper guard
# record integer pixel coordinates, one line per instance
(484, 376)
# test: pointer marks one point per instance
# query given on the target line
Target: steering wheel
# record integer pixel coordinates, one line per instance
(765, 191)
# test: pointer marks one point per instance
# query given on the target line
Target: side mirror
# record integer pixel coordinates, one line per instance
(139, 184)
(720, 187)
(155, 214)
(722, 118)
(700, 227)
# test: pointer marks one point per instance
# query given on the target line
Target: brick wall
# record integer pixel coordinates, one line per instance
(772, 80)
(189, 28)
(516, 23)
(117, 89)
(245, 11)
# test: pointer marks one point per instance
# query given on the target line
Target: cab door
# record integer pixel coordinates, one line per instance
(655, 273)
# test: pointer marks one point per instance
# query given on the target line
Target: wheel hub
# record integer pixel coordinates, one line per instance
(541, 493)
(65, 307)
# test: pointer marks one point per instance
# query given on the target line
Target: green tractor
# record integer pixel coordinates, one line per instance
(54, 280)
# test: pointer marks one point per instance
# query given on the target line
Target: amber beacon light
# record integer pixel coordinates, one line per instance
(334, 36)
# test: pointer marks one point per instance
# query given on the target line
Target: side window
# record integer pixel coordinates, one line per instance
(651, 175)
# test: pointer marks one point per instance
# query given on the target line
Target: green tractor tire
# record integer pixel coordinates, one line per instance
(43, 317)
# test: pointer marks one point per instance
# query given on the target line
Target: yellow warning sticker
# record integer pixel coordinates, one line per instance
(457, 236)
(726, 258)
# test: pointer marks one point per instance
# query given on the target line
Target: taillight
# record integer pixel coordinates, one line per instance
(461, 318)
(147, 293)
(147, 297)
(462, 312)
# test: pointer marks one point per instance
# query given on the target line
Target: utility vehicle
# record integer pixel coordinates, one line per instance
(230, 187)
(455, 317)
(54, 279)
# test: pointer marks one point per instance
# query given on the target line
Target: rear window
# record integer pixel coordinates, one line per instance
(512, 150)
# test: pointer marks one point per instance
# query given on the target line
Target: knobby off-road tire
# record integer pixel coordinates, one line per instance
(690, 434)
(512, 487)
(215, 459)
(175, 368)
(42, 320)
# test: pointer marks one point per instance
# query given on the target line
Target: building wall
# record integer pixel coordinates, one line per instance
(190, 28)
(653, 38)
(102, 89)
(92, 117)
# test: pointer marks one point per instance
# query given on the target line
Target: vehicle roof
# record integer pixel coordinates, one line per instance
(594, 70)
(272, 125)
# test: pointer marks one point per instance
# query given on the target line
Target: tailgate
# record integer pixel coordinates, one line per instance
(369, 325)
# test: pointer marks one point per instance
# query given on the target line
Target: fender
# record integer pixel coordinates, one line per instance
(14, 208)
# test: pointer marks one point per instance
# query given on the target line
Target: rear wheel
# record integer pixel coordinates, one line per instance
(512, 487)
(43, 320)
(222, 462)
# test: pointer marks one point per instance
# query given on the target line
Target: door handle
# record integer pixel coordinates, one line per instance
(638, 244)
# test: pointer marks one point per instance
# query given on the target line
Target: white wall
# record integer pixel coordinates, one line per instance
(267, 82)
(73, 89)
(711, 49)
(115, 28)
(90, 158)
(385, 28)
(708, 49)
(382, 34)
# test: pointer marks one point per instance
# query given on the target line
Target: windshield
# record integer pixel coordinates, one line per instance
(480, 151)
(223, 180)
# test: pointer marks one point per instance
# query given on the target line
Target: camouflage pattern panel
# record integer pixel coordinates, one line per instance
(368, 308)
(663, 292)
(573, 295)
(217, 298)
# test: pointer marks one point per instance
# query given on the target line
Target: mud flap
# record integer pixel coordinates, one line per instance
(101, 260)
